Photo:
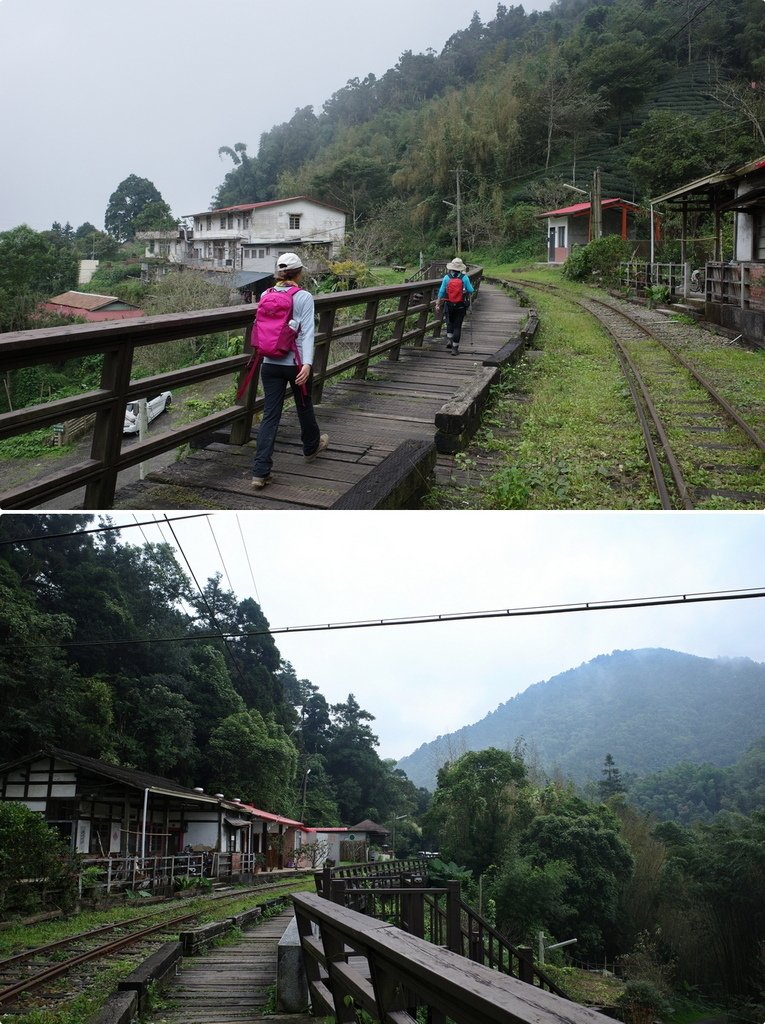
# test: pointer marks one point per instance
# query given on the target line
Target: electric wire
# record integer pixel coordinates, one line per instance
(620, 604)
(220, 555)
(225, 637)
(247, 556)
(94, 529)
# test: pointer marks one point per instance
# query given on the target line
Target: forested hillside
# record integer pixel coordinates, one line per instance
(655, 92)
(649, 708)
(110, 650)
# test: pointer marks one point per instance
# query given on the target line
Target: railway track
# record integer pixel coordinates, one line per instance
(35, 968)
(703, 445)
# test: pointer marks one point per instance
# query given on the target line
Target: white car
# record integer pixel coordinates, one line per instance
(154, 406)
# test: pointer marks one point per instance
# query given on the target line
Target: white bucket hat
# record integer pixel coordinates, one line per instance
(288, 261)
(456, 264)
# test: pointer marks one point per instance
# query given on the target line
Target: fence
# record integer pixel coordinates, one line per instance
(404, 897)
(354, 961)
(159, 873)
(376, 321)
(638, 276)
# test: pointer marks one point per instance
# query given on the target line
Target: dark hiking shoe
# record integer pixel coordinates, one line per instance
(260, 481)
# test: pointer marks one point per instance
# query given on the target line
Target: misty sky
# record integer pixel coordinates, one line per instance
(420, 681)
(92, 91)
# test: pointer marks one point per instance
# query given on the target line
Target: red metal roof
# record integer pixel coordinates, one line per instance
(269, 202)
(578, 209)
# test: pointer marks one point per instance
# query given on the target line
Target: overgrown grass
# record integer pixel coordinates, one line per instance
(578, 444)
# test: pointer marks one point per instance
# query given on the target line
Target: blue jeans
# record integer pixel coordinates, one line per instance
(274, 378)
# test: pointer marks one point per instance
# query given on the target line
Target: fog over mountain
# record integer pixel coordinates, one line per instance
(649, 708)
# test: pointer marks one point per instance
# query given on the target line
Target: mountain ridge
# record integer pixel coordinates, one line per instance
(650, 708)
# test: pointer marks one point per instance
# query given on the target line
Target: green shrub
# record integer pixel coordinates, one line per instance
(37, 868)
(641, 1003)
(600, 257)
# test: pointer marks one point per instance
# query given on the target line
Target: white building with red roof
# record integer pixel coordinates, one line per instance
(572, 225)
(246, 239)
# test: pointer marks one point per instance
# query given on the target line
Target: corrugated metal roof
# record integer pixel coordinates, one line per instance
(84, 300)
(580, 208)
(260, 206)
(726, 175)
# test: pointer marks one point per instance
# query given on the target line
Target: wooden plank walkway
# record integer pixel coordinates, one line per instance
(367, 420)
(230, 983)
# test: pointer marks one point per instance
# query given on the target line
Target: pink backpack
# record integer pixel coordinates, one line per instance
(272, 334)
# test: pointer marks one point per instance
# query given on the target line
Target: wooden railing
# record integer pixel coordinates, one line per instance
(376, 321)
(403, 896)
(378, 870)
(732, 284)
(353, 961)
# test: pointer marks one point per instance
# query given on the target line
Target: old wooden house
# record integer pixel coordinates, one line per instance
(105, 809)
(734, 281)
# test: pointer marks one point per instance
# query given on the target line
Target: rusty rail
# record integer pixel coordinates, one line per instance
(378, 321)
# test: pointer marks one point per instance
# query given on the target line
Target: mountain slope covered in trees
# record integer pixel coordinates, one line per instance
(656, 92)
(649, 708)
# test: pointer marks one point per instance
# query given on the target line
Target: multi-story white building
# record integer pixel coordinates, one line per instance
(250, 236)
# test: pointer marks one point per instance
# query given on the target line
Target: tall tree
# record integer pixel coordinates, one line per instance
(611, 783)
(128, 200)
(475, 800)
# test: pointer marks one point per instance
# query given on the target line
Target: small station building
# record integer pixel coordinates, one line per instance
(573, 225)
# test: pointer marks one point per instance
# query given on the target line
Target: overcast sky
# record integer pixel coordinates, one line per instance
(92, 91)
(421, 681)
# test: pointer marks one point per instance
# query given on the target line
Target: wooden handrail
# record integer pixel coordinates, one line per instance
(403, 894)
(390, 974)
(382, 332)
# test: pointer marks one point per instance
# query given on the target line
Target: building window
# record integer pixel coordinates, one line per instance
(246, 221)
(209, 223)
(562, 237)
(223, 223)
(295, 221)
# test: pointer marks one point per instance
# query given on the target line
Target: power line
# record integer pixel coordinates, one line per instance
(220, 634)
(247, 556)
(418, 620)
(95, 529)
(222, 562)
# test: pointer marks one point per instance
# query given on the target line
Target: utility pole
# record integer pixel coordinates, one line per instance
(596, 212)
(458, 207)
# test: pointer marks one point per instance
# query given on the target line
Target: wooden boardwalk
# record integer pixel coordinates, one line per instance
(371, 423)
(230, 983)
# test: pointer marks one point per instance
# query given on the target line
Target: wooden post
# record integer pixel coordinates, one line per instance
(367, 336)
(526, 964)
(107, 429)
(242, 428)
(453, 923)
(403, 306)
(321, 353)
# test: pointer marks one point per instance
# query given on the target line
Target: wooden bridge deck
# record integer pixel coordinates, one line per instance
(367, 421)
(231, 983)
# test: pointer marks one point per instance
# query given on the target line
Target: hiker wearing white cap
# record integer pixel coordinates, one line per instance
(294, 368)
(454, 295)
